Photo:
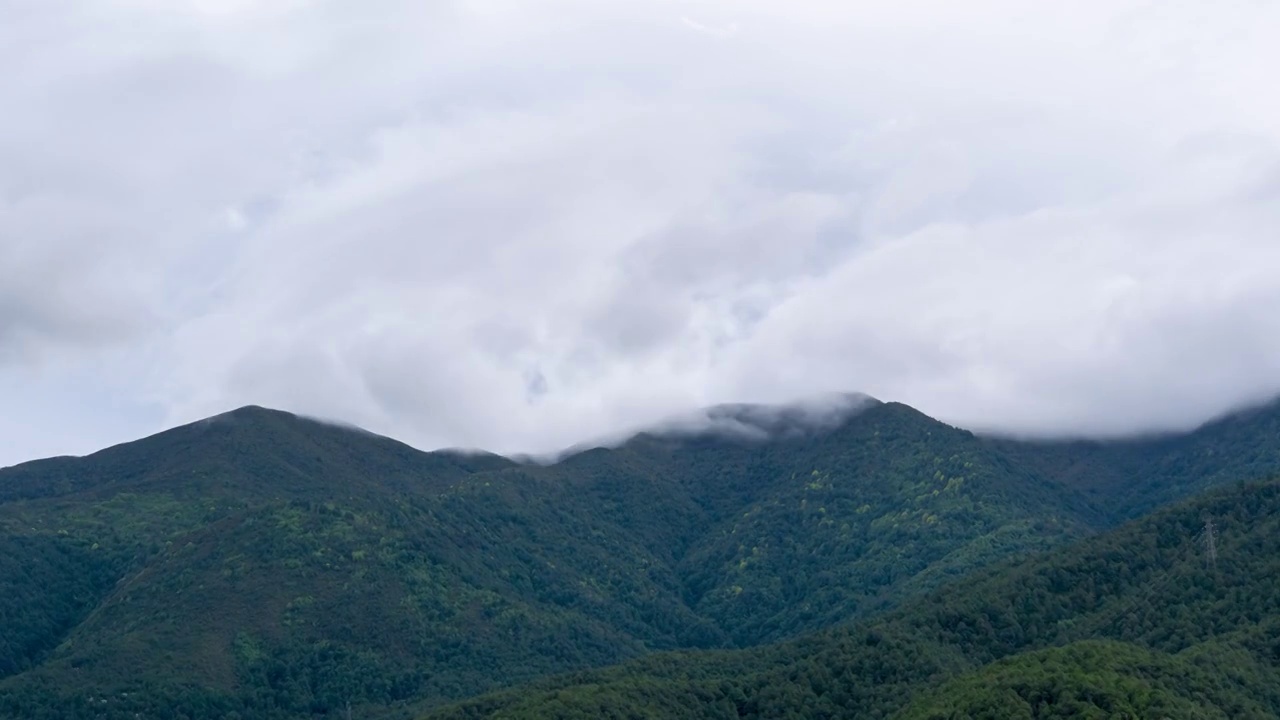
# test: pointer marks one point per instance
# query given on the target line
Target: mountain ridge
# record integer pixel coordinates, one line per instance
(700, 422)
(269, 564)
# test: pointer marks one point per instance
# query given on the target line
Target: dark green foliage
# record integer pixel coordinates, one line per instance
(1193, 639)
(34, 618)
(890, 504)
(1127, 478)
(1094, 679)
(264, 566)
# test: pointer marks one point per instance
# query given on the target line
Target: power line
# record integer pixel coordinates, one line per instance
(1208, 536)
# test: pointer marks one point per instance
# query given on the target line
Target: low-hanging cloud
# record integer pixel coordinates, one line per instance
(741, 421)
(517, 225)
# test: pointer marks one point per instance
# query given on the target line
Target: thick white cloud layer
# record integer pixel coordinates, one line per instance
(513, 224)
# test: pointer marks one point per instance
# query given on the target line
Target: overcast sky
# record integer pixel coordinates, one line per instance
(515, 224)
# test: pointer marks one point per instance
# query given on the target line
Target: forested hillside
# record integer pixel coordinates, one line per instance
(269, 566)
(1139, 622)
(1127, 478)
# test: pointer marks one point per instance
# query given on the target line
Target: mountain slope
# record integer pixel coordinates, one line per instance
(248, 454)
(1194, 638)
(267, 565)
(888, 504)
(244, 558)
(1092, 679)
(1129, 477)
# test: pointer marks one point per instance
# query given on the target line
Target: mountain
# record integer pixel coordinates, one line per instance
(266, 565)
(1129, 477)
(1142, 621)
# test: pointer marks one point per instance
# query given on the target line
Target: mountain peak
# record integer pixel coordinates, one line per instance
(257, 416)
(251, 412)
(257, 410)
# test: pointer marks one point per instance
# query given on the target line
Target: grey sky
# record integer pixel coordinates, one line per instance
(513, 224)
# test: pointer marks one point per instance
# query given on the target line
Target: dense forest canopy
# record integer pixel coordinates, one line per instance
(1136, 622)
(261, 565)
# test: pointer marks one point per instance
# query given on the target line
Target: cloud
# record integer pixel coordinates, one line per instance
(717, 32)
(735, 422)
(509, 225)
(791, 419)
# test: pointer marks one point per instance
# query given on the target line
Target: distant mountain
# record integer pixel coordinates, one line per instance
(1131, 477)
(266, 565)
